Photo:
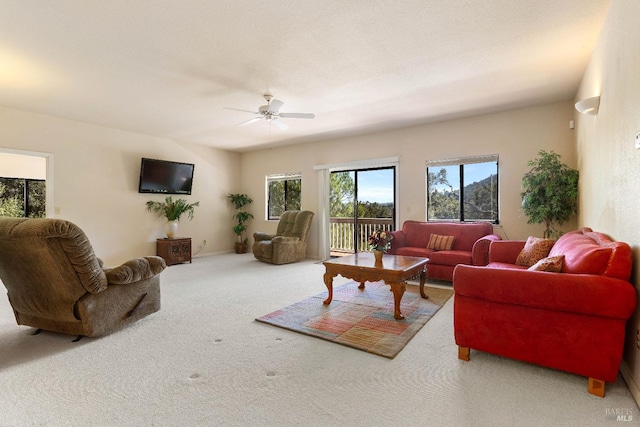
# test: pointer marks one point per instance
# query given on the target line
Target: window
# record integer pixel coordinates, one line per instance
(283, 194)
(464, 189)
(20, 197)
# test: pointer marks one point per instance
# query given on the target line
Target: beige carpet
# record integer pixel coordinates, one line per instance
(204, 361)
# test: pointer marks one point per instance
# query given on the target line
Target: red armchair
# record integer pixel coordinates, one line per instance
(572, 321)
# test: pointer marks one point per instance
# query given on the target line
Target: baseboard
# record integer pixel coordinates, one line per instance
(628, 378)
(208, 254)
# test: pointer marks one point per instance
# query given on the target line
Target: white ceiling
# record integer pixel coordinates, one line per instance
(169, 67)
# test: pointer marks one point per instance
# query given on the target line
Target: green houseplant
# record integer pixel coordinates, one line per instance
(549, 192)
(239, 201)
(173, 211)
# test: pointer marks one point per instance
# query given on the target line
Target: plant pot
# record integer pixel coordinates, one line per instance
(172, 229)
(241, 247)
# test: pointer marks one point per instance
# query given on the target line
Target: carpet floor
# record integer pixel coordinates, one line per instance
(362, 319)
(203, 360)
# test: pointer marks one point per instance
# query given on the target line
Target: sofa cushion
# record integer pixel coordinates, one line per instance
(450, 257)
(534, 250)
(411, 251)
(552, 264)
(582, 254)
(440, 243)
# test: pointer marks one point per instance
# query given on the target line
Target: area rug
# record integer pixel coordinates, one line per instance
(362, 319)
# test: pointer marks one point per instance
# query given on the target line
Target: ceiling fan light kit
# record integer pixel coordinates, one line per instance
(271, 113)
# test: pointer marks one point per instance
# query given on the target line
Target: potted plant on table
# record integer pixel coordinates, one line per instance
(379, 243)
(549, 192)
(173, 211)
(239, 201)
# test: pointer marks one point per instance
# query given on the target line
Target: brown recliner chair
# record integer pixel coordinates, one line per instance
(289, 244)
(55, 282)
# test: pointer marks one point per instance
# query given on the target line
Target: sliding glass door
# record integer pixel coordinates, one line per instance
(361, 201)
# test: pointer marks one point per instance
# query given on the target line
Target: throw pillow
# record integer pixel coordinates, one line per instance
(552, 263)
(440, 243)
(534, 250)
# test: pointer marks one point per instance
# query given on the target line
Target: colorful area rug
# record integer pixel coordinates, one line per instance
(362, 319)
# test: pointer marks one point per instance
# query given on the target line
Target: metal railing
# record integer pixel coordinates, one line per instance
(341, 233)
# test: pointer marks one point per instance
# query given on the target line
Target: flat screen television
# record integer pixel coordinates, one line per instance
(165, 177)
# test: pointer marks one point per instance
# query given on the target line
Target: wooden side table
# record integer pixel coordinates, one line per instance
(174, 251)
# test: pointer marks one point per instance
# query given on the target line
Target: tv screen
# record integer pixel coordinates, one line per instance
(161, 176)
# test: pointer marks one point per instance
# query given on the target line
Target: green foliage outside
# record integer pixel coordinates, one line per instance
(342, 194)
(443, 203)
(284, 196)
(12, 201)
(549, 192)
(479, 198)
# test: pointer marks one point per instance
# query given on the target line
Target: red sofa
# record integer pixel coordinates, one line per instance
(470, 244)
(573, 320)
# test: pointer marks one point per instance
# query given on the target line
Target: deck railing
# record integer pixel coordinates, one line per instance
(341, 232)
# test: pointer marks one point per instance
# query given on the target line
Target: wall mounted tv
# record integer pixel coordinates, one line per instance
(165, 177)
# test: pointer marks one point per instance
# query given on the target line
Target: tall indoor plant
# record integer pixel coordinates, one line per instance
(239, 201)
(549, 192)
(173, 211)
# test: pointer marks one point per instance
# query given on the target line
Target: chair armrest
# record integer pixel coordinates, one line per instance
(480, 250)
(259, 236)
(278, 240)
(135, 270)
(587, 294)
(505, 250)
(399, 240)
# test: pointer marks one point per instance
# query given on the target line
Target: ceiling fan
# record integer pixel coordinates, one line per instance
(271, 113)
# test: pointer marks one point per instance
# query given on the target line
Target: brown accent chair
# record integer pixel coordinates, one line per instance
(289, 244)
(55, 281)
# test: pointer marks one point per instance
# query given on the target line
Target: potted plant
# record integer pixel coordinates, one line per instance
(239, 201)
(172, 210)
(549, 192)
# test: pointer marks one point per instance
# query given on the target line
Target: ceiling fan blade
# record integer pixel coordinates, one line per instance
(298, 115)
(248, 122)
(282, 125)
(275, 105)
(238, 109)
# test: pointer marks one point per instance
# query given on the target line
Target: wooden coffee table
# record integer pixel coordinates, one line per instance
(361, 267)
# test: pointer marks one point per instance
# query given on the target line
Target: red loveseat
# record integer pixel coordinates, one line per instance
(470, 244)
(573, 320)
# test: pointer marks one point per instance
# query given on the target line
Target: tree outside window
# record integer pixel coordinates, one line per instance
(284, 194)
(21, 197)
(463, 189)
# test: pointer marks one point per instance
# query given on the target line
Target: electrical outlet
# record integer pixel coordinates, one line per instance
(638, 141)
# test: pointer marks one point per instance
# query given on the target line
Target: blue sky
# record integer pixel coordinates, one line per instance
(377, 185)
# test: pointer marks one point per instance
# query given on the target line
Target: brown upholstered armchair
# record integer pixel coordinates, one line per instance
(55, 281)
(289, 244)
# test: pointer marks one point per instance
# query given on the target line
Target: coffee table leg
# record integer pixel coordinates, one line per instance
(328, 281)
(398, 290)
(423, 278)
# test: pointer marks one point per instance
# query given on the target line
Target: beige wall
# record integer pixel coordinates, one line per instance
(95, 181)
(608, 161)
(516, 136)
